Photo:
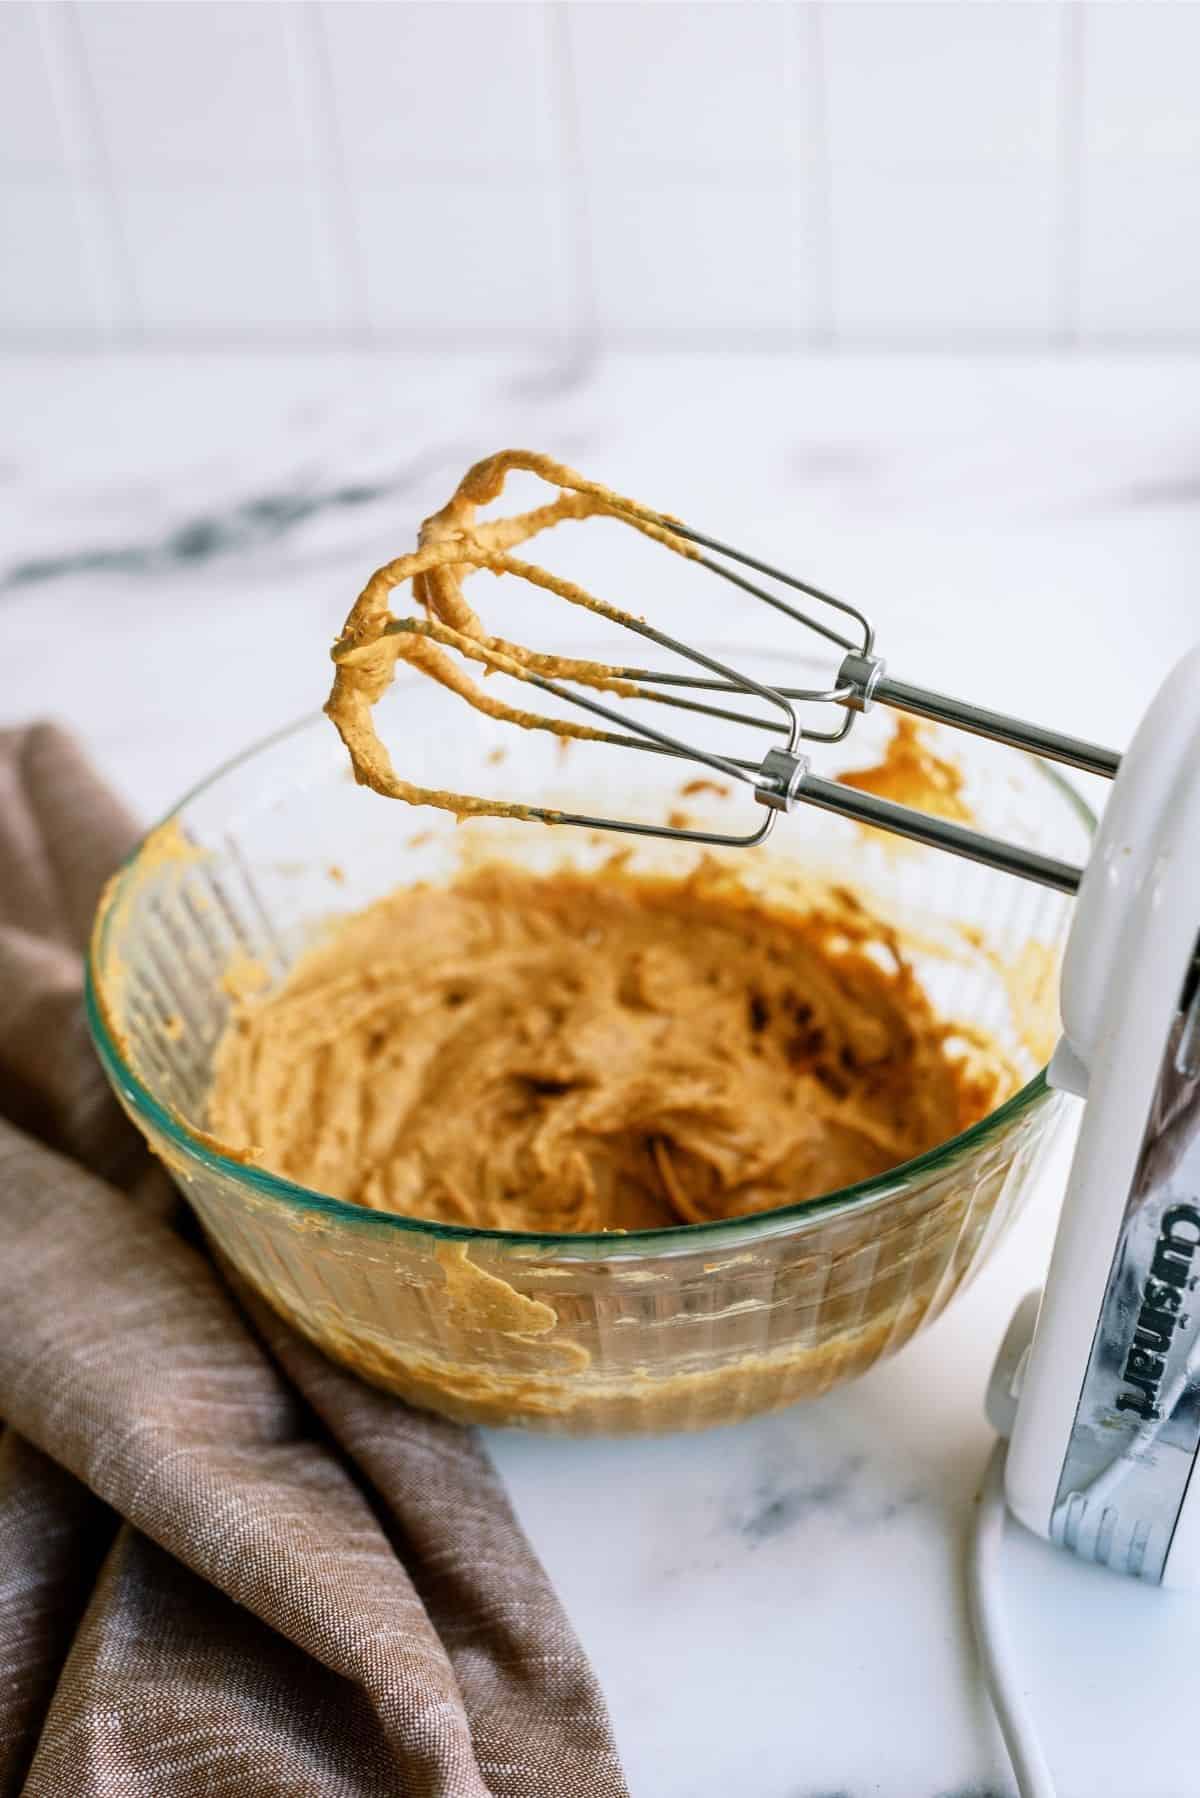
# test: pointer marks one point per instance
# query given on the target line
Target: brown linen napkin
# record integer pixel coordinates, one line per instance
(226, 1567)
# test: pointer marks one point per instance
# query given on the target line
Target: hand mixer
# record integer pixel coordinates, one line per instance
(1102, 1397)
(1097, 1386)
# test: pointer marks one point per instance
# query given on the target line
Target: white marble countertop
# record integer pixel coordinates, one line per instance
(774, 1610)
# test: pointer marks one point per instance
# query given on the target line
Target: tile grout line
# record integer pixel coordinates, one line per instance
(1065, 334)
(823, 331)
(107, 188)
(89, 222)
(105, 249)
(317, 102)
(574, 194)
(933, 342)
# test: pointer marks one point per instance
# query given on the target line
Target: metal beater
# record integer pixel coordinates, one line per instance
(782, 777)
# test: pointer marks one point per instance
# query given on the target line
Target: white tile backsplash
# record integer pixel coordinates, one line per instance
(685, 89)
(458, 256)
(942, 87)
(679, 257)
(418, 85)
(225, 257)
(911, 171)
(937, 254)
(45, 277)
(943, 146)
(1139, 271)
(31, 135)
(1139, 180)
(1142, 81)
(194, 86)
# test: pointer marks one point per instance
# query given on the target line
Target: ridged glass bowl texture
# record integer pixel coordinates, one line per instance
(650, 1331)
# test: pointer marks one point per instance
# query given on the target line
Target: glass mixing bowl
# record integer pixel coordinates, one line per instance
(657, 1330)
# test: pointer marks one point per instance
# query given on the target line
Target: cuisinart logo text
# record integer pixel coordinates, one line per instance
(1158, 1319)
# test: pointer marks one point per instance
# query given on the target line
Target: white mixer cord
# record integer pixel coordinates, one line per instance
(985, 1578)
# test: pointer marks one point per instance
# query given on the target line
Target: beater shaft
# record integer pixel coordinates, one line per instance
(938, 833)
(943, 708)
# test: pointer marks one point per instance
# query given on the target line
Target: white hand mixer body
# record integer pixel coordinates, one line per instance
(1103, 1405)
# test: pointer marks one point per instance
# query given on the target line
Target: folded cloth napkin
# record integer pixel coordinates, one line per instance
(226, 1567)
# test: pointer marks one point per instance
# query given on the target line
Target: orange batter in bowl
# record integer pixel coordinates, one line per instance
(584, 1052)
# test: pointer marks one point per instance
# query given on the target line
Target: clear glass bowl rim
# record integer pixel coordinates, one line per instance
(723, 1232)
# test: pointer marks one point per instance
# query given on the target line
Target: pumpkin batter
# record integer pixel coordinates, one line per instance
(574, 1052)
